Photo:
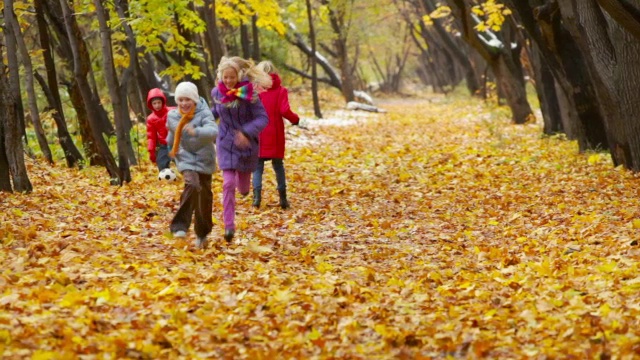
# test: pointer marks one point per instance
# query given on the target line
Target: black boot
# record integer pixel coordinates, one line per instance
(257, 197)
(283, 199)
(228, 234)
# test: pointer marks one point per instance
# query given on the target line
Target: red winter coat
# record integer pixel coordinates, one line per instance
(156, 121)
(276, 102)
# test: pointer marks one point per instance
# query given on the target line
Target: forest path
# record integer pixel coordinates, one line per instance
(432, 230)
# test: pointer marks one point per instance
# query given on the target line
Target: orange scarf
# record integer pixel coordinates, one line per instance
(184, 120)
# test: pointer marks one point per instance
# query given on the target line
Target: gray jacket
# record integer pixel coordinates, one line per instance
(197, 152)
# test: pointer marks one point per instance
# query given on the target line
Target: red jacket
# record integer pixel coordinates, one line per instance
(156, 121)
(276, 102)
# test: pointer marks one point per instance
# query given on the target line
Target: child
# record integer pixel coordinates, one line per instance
(242, 117)
(276, 101)
(192, 130)
(157, 128)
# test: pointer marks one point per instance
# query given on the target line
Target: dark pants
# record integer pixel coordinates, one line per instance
(278, 168)
(196, 199)
(162, 157)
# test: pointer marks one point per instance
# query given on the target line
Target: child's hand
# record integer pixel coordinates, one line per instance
(190, 130)
(242, 141)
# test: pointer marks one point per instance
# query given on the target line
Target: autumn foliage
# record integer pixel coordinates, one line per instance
(437, 230)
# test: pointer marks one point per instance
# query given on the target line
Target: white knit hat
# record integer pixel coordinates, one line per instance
(188, 90)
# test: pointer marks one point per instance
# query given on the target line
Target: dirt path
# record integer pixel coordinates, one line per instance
(435, 230)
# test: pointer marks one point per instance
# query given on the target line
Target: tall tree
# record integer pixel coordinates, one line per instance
(31, 93)
(12, 156)
(50, 88)
(500, 47)
(84, 114)
(215, 46)
(576, 96)
(312, 59)
(80, 72)
(611, 53)
(340, 12)
(117, 91)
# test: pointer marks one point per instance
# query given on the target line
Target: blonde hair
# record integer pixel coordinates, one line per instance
(245, 69)
(268, 67)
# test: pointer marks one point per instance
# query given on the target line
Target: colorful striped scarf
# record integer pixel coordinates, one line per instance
(243, 90)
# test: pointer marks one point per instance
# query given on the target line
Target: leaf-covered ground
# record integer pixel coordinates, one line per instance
(437, 230)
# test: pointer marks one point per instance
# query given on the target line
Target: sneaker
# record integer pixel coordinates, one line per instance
(202, 242)
(228, 234)
(180, 234)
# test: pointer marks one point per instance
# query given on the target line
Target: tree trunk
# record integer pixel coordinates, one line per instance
(202, 83)
(14, 69)
(117, 93)
(31, 94)
(457, 51)
(80, 73)
(611, 53)
(12, 157)
(255, 46)
(314, 72)
(5, 178)
(342, 50)
(582, 119)
(71, 153)
(84, 114)
(546, 91)
(213, 38)
(504, 61)
(244, 41)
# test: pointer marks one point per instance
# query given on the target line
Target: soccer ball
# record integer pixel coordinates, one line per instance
(167, 174)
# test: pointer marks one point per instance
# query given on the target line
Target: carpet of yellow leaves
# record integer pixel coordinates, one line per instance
(437, 230)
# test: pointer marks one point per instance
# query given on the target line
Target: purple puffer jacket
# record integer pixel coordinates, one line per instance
(244, 116)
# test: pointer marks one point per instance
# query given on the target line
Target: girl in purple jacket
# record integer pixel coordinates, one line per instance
(242, 118)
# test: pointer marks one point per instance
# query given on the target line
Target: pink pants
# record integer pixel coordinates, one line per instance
(232, 179)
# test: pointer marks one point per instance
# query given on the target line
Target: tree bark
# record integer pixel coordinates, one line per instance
(312, 59)
(546, 90)
(458, 52)
(611, 54)
(244, 41)
(203, 83)
(340, 45)
(84, 114)
(581, 116)
(118, 94)
(71, 153)
(80, 74)
(214, 44)
(14, 70)
(504, 61)
(31, 94)
(12, 156)
(255, 33)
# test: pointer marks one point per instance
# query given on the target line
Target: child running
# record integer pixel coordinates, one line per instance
(276, 101)
(242, 118)
(157, 129)
(192, 130)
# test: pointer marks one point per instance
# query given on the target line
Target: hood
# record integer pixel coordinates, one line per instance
(276, 81)
(157, 93)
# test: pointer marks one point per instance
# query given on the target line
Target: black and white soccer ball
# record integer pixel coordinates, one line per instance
(167, 175)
